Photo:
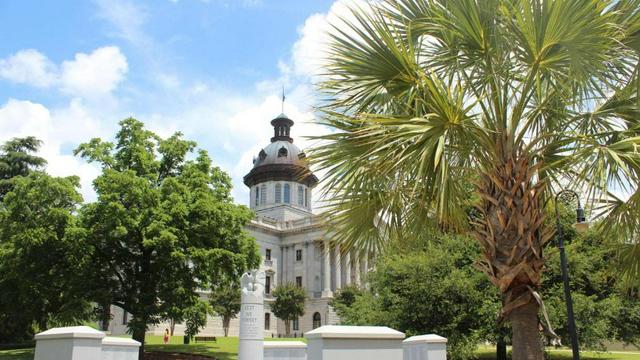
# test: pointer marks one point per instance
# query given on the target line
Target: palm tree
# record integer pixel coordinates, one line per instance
(518, 97)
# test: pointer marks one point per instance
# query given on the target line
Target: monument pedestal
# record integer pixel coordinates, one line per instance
(251, 339)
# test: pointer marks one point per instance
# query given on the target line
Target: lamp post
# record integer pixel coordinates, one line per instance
(580, 219)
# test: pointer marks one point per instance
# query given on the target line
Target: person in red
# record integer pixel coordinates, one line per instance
(166, 336)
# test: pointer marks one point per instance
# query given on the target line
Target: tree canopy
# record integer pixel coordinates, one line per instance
(163, 226)
(17, 159)
(42, 256)
(288, 304)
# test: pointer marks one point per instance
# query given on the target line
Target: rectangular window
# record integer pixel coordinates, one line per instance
(125, 317)
(296, 324)
(299, 255)
(267, 321)
(287, 194)
(267, 254)
(300, 195)
(299, 281)
(278, 193)
(263, 190)
(306, 197)
(267, 285)
(257, 196)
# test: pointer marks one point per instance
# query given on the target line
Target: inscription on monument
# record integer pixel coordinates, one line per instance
(249, 325)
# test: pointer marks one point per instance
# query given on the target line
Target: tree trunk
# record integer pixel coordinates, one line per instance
(287, 329)
(172, 326)
(139, 335)
(526, 340)
(225, 325)
(501, 349)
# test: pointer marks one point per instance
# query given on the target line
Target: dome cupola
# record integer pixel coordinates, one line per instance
(280, 174)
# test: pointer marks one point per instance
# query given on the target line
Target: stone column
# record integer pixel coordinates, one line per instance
(356, 268)
(365, 265)
(347, 267)
(251, 339)
(326, 280)
(285, 265)
(338, 268)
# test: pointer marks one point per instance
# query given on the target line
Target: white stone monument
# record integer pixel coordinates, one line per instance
(285, 350)
(69, 343)
(115, 348)
(425, 347)
(332, 342)
(251, 337)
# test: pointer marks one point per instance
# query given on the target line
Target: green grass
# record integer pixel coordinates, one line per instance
(22, 354)
(489, 352)
(223, 349)
(227, 349)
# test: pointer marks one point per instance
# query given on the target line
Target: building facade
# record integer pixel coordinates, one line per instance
(293, 241)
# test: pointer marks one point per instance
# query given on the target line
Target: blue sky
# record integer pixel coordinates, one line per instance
(70, 70)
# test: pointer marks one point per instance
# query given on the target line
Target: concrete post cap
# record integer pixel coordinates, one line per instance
(284, 345)
(117, 341)
(424, 339)
(70, 332)
(354, 332)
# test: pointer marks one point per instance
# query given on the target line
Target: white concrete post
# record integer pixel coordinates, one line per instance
(425, 347)
(347, 267)
(251, 337)
(69, 343)
(338, 268)
(285, 350)
(332, 342)
(114, 348)
(326, 253)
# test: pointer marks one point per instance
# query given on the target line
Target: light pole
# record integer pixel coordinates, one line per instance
(580, 219)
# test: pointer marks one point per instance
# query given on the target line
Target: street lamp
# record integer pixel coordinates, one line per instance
(581, 225)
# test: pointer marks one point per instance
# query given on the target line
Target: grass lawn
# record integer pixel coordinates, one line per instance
(227, 349)
(223, 349)
(489, 352)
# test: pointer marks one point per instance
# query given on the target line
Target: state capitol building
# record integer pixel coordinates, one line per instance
(293, 241)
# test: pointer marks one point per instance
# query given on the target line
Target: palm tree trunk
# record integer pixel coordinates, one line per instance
(512, 234)
(526, 334)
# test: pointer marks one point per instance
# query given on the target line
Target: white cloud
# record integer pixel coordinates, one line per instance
(28, 67)
(96, 73)
(60, 130)
(310, 50)
(87, 75)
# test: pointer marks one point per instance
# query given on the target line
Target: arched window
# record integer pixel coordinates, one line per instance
(317, 320)
(287, 194)
(278, 193)
(263, 190)
(300, 195)
(257, 196)
(282, 152)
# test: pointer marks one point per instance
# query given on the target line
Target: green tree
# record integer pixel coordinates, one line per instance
(195, 317)
(428, 289)
(288, 304)
(163, 225)
(225, 301)
(528, 96)
(604, 311)
(17, 159)
(42, 254)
